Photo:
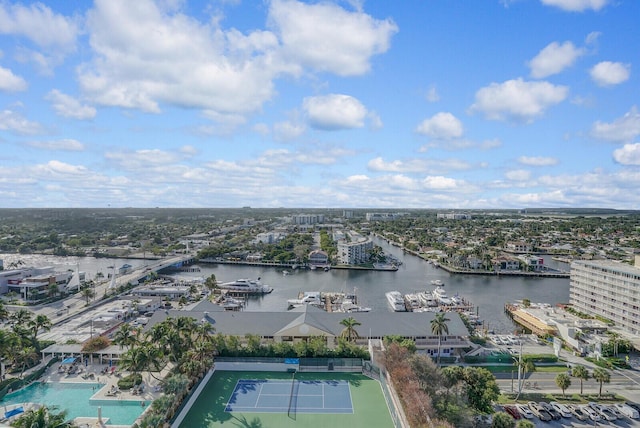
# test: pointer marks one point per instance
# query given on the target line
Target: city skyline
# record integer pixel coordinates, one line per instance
(285, 103)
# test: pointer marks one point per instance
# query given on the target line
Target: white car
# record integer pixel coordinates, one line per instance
(628, 411)
(525, 411)
(561, 408)
(593, 414)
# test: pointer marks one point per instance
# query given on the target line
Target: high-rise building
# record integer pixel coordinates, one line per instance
(608, 289)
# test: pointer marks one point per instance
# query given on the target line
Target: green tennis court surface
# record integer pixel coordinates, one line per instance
(278, 396)
(272, 399)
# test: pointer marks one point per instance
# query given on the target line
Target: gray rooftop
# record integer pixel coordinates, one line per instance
(316, 321)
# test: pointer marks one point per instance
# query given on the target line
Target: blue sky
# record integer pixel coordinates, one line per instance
(284, 103)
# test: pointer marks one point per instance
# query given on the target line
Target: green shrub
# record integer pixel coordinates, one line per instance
(130, 381)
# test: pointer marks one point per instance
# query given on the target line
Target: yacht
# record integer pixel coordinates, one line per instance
(413, 300)
(308, 298)
(251, 286)
(441, 296)
(437, 282)
(348, 305)
(427, 299)
(396, 301)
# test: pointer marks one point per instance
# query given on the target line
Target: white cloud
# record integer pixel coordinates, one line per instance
(326, 37)
(518, 175)
(553, 59)
(607, 73)
(442, 183)
(629, 154)
(621, 130)
(334, 111)
(432, 94)
(64, 144)
(9, 82)
(287, 130)
(577, 5)
(432, 166)
(39, 24)
(14, 122)
(537, 160)
(442, 125)
(67, 106)
(146, 57)
(58, 170)
(517, 99)
(148, 159)
(55, 35)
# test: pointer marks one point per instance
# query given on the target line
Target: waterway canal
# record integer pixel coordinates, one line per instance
(488, 293)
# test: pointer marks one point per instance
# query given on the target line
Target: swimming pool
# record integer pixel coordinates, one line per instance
(75, 398)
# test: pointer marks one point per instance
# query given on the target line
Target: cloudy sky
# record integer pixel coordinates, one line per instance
(287, 103)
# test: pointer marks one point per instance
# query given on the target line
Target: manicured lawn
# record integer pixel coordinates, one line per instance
(369, 406)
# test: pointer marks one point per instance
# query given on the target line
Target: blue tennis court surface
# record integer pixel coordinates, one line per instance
(283, 396)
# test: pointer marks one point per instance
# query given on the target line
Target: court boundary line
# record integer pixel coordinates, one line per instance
(305, 410)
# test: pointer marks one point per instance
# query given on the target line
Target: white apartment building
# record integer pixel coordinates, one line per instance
(608, 289)
(355, 251)
(307, 218)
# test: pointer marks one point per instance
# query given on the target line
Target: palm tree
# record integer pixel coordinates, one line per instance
(126, 336)
(438, 327)
(581, 373)
(601, 376)
(563, 381)
(88, 294)
(349, 332)
(40, 322)
(4, 314)
(43, 417)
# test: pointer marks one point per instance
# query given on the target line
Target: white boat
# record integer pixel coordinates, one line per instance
(308, 298)
(441, 296)
(437, 283)
(396, 302)
(427, 299)
(413, 300)
(251, 286)
(347, 305)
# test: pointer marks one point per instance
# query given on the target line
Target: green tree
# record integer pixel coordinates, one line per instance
(126, 336)
(481, 388)
(525, 424)
(35, 325)
(349, 332)
(211, 283)
(439, 327)
(4, 313)
(88, 294)
(563, 381)
(601, 376)
(502, 420)
(43, 417)
(581, 373)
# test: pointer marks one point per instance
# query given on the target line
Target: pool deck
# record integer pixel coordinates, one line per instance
(94, 373)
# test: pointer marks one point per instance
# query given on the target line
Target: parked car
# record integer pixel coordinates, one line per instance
(577, 412)
(593, 414)
(604, 411)
(555, 415)
(628, 410)
(561, 408)
(540, 412)
(525, 411)
(633, 405)
(512, 410)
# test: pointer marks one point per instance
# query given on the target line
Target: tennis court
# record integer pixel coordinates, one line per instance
(261, 399)
(295, 396)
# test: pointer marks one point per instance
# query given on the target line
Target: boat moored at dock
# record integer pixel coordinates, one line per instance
(396, 301)
(249, 286)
